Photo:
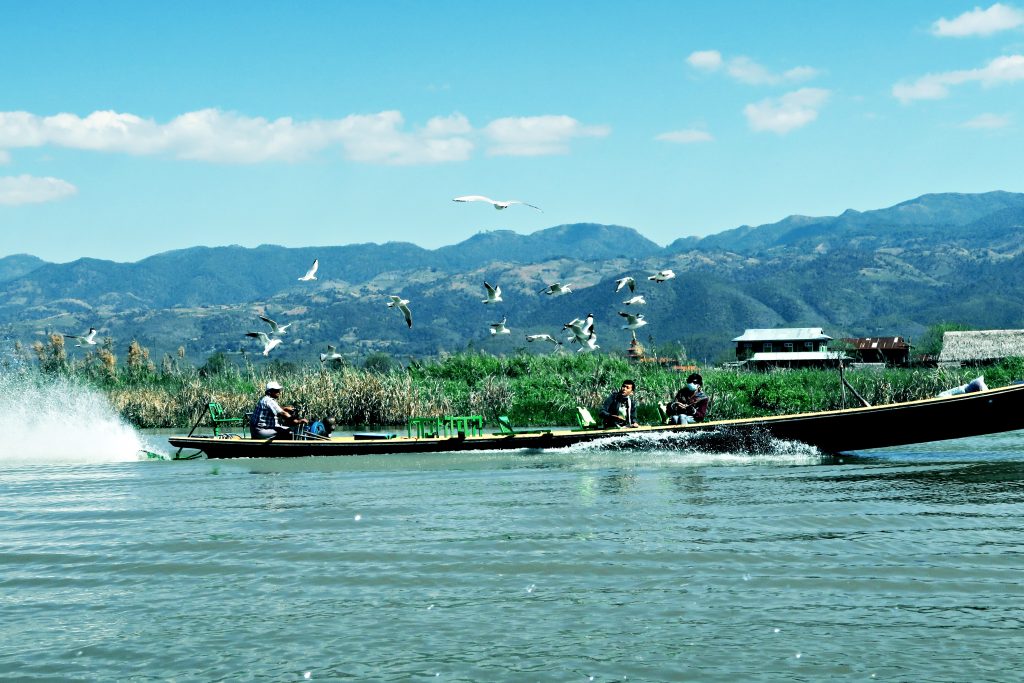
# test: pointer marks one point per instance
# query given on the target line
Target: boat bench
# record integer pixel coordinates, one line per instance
(373, 436)
(449, 425)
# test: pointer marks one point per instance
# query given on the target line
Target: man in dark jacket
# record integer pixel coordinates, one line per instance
(620, 408)
(689, 405)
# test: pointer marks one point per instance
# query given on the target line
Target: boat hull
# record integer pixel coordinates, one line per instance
(838, 431)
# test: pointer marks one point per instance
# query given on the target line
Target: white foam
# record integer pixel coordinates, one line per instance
(707, 447)
(56, 420)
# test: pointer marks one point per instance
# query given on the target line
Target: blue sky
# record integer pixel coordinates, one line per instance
(131, 128)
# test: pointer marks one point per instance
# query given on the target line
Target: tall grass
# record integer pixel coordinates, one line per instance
(531, 390)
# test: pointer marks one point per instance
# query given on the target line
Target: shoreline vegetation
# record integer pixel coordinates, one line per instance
(532, 390)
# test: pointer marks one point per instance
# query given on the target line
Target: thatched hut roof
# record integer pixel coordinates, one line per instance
(981, 345)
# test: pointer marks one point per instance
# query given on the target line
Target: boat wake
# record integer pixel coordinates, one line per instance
(55, 420)
(734, 445)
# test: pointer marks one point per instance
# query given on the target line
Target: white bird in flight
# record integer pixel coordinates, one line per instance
(274, 327)
(590, 344)
(499, 328)
(498, 204)
(311, 273)
(625, 282)
(543, 337)
(633, 321)
(556, 289)
(330, 355)
(268, 343)
(638, 299)
(403, 306)
(662, 275)
(580, 329)
(493, 294)
(84, 339)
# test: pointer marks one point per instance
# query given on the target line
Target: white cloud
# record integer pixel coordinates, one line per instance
(789, 112)
(708, 60)
(1006, 69)
(686, 136)
(746, 70)
(537, 135)
(26, 189)
(217, 136)
(988, 121)
(980, 22)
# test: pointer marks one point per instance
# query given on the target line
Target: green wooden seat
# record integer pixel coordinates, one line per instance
(505, 426)
(219, 419)
(585, 419)
(468, 425)
(425, 427)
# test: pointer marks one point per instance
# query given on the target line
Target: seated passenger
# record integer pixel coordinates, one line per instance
(689, 405)
(619, 410)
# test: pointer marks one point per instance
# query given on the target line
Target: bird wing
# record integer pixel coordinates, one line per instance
(262, 336)
(516, 201)
(407, 313)
(474, 198)
(273, 325)
(316, 264)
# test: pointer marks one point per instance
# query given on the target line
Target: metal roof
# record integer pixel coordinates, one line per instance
(868, 343)
(783, 334)
(798, 355)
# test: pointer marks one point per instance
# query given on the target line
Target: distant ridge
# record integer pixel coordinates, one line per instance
(938, 258)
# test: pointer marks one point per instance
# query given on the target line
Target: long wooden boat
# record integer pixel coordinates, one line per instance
(835, 431)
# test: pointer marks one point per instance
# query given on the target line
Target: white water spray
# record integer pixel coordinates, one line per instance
(706, 447)
(55, 420)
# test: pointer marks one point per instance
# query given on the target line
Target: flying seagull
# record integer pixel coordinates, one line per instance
(403, 306)
(274, 327)
(311, 273)
(662, 275)
(625, 282)
(590, 344)
(268, 343)
(543, 337)
(556, 289)
(633, 321)
(330, 355)
(84, 339)
(499, 205)
(580, 329)
(499, 328)
(493, 294)
(638, 299)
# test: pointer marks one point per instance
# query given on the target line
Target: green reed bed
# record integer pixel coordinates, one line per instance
(532, 390)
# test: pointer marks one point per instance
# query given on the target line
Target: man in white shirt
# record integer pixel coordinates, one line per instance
(269, 419)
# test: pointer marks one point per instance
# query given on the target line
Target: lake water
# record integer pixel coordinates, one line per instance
(590, 564)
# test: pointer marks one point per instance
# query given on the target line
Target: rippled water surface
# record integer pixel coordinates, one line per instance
(588, 564)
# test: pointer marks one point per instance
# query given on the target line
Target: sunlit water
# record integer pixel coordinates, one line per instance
(652, 563)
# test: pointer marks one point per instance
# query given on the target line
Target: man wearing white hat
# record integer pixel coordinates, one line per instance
(268, 418)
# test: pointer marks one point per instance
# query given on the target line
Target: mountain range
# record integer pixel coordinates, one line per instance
(893, 271)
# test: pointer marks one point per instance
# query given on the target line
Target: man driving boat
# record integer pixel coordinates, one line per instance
(269, 420)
